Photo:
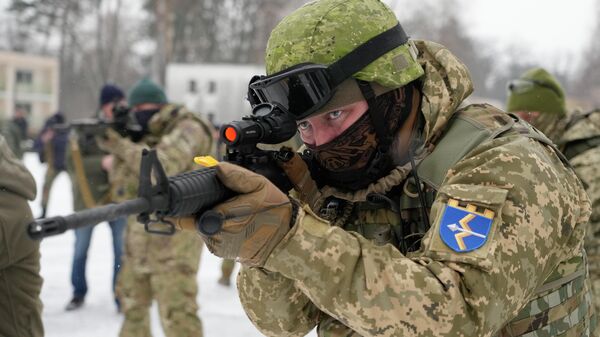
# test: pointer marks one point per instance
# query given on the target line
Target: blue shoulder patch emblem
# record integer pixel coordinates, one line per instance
(465, 229)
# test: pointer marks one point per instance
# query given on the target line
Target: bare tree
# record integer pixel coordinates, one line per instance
(234, 31)
(48, 17)
(587, 81)
(440, 22)
(89, 55)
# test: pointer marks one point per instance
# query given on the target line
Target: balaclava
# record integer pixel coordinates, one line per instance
(349, 155)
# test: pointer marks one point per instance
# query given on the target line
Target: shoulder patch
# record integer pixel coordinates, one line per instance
(464, 229)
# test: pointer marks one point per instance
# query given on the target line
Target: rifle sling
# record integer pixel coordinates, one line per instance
(82, 182)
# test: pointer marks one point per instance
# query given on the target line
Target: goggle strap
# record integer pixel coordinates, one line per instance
(366, 53)
(376, 119)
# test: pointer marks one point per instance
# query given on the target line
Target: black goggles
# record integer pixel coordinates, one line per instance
(305, 88)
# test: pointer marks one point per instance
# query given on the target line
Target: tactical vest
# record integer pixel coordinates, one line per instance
(562, 306)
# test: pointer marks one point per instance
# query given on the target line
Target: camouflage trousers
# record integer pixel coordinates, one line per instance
(175, 291)
(161, 268)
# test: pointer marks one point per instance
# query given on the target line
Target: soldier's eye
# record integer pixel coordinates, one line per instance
(303, 125)
(334, 114)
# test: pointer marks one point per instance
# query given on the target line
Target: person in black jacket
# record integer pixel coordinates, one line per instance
(51, 145)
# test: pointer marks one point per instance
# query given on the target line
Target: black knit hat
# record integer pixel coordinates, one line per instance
(110, 93)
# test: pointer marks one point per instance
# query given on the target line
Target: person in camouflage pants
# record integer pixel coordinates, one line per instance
(157, 267)
(410, 216)
(539, 98)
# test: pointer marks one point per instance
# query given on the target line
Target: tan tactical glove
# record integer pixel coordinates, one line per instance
(254, 221)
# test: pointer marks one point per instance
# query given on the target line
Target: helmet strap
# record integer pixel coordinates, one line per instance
(382, 160)
(377, 117)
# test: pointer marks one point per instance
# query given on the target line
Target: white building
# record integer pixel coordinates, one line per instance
(217, 91)
(30, 83)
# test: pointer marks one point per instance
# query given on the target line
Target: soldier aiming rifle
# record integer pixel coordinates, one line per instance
(190, 193)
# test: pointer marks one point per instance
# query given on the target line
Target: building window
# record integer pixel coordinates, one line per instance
(192, 86)
(212, 87)
(24, 77)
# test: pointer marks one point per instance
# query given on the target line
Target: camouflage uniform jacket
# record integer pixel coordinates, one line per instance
(581, 144)
(178, 136)
(20, 304)
(347, 285)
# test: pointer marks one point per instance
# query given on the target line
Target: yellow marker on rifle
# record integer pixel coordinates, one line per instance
(206, 161)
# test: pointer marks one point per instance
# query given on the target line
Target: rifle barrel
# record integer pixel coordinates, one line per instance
(42, 228)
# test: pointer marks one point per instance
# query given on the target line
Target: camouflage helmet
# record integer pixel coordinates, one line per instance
(324, 31)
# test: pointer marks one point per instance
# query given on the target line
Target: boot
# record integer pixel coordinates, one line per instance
(75, 303)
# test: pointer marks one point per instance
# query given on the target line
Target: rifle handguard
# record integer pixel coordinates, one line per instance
(196, 191)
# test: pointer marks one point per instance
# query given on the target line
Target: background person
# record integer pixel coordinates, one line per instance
(51, 146)
(91, 189)
(20, 280)
(157, 267)
(15, 132)
(538, 97)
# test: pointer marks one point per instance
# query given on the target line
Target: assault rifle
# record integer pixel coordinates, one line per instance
(88, 130)
(123, 122)
(191, 193)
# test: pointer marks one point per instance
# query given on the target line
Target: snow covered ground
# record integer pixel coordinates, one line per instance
(220, 309)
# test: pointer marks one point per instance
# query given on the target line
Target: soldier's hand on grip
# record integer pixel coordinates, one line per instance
(254, 221)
